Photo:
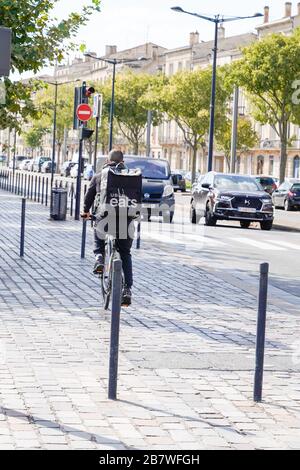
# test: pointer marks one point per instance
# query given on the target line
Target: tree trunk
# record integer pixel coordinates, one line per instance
(136, 147)
(283, 152)
(194, 161)
(58, 156)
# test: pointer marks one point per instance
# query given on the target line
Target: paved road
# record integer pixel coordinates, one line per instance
(227, 247)
(186, 348)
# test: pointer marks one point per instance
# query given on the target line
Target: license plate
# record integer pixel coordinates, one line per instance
(247, 209)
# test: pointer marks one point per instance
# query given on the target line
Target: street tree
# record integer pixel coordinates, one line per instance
(34, 137)
(247, 138)
(185, 99)
(131, 112)
(44, 103)
(267, 72)
(38, 40)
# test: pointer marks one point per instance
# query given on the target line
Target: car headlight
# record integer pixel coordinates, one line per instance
(267, 201)
(225, 198)
(168, 191)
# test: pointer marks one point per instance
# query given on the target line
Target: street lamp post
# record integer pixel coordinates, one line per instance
(114, 63)
(56, 85)
(217, 20)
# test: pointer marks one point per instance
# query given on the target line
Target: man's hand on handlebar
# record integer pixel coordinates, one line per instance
(86, 215)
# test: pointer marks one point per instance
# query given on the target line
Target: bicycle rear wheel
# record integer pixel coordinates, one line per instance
(106, 278)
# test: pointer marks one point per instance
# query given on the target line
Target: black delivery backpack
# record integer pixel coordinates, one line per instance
(121, 192)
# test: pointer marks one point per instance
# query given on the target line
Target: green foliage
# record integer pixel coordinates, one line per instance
(247, 138)
(38, 39)
(267, 72)
(44, 102)
(34, 137)
(185, 98)
(130, 107)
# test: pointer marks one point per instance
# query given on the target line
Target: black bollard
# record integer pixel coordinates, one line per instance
(83, 238)
(261, 332)
(22, 238)
(115, 329)
(138, 236)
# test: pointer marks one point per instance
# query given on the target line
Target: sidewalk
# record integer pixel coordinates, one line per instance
(186, 351)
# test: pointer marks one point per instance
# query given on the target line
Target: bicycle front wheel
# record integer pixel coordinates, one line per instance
(106, 278)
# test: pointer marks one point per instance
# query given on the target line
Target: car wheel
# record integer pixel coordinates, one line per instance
(266, 225)
(287, 206)
(210, 219)
(194, 217)
(245, 224)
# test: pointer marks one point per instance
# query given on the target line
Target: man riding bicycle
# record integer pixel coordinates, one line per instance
(123, 243)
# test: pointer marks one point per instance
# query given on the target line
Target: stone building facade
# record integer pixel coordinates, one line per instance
(167, 139)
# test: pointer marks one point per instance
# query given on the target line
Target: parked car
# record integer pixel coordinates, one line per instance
(179, 182)
(268, 183)
(88, 172)
(18, 160)
(24, 164)
(74, 171)
(287, 196)
(38, 162)
(66, 168)
(219, 196)
(158, 190)
(3, 160)
(47, 167)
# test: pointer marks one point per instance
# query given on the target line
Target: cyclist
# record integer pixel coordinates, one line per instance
(115, 158)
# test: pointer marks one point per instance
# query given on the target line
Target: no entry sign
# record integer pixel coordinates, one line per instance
(84, 112)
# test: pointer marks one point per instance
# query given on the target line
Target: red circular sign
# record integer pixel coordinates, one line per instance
(84, 112)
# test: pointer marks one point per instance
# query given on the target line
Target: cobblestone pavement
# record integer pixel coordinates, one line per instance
(186, 351)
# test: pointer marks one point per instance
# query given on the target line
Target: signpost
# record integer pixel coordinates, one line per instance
(97, 113)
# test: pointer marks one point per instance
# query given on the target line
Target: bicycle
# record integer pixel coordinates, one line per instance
(111, 254)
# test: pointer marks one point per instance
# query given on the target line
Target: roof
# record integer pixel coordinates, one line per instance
(202, 50)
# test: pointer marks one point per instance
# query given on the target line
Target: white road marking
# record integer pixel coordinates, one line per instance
(292, 246)
(261, 245)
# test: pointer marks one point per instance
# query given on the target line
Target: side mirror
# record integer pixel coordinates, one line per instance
(206, 186)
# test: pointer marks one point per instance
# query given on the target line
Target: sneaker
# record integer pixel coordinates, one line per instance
(126, 297)
(99, 265)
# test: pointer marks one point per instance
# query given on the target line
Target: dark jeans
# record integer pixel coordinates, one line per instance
(124, 247)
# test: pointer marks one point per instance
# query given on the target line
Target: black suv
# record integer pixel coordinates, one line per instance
(219, 196)
(158, 189)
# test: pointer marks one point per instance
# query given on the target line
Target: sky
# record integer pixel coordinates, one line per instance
(127, 23)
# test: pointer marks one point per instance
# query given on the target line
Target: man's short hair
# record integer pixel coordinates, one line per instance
(115, 156)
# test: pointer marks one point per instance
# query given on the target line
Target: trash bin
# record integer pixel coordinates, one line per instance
(59, 204)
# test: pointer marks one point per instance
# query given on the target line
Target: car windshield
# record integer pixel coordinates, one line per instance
(296, 187)
(236, 183)
(265, 181)
(150, 168)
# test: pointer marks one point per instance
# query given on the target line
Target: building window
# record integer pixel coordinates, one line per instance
(271, 165)
(238, 165)
(297, 167)
(260, 165)
(171, 69)
(179, 66)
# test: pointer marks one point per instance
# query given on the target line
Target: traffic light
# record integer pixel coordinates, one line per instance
(89, 91)
(82, 95)
(85, 133)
